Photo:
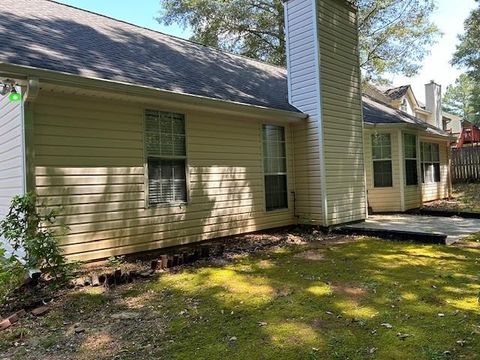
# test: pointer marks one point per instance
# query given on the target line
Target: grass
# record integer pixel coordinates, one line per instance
(316, 301)
(466, 197)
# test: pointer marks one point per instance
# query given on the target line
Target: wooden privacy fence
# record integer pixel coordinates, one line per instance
(466, 164)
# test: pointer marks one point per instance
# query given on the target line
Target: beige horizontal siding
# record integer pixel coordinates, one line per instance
(341, 112)
(89, 162)
(308, 192)
(413, 197)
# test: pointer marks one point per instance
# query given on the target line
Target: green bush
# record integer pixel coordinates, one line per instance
(28, 227)
(12, 274)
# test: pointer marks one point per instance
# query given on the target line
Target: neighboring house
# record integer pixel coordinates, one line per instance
(403, 98)
(147, 141)
(453, 124)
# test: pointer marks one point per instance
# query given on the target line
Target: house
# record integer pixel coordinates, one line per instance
(146, 141)
(420, 152)
(406, 159)
(452, 124)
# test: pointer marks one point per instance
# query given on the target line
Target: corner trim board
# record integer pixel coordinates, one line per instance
(323, 178)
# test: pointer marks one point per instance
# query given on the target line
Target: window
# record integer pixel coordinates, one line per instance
(430, 163)
(410, 146)
(275, 167)
(404, 106)
(382, 160)
(166, 157)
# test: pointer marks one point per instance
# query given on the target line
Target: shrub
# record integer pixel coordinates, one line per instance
(27, 227)
(12, 274)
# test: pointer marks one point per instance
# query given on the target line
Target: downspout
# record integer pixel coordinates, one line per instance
(31, 93)
(449, 170)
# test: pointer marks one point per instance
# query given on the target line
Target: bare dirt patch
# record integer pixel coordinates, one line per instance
(314, 255)
(349, 290)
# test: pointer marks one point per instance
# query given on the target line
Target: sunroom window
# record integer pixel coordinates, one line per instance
(430, 163)
(166, 157)
(382, 160)
(410, 146)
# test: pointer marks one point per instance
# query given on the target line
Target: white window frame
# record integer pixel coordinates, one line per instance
(382, 159)
(146, 156)
(430, 162)
(265, 173)
(410, 158)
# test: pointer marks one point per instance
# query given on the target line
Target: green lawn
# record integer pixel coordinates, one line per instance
(316, 301)
(465, 197)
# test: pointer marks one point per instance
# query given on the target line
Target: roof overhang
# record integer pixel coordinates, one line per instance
(54, 80)
(417, 127)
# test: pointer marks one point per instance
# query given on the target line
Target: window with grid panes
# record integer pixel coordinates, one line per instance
(382, 160)
(430, 163)
(166, 157)
(410, 147)
(275, 167)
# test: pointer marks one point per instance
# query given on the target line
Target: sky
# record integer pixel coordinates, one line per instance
(449, 17)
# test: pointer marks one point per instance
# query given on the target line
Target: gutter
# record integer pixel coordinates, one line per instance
(406, 126)
(89, 83)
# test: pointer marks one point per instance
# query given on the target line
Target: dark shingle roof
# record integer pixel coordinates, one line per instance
(375, 112)
(397, 93)
(53, 36)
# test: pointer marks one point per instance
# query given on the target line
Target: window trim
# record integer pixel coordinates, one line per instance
(383, 159)
(147, 204)
(416, 160)
(404, 105)
(287, 208)
(430, 162)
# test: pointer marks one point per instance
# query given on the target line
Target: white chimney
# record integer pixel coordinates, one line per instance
(324, 82)
(433, 102)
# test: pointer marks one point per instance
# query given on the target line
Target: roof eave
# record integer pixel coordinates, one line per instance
(22, 72)
(406, 126)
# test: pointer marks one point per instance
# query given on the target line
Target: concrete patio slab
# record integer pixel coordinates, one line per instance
(454, 228)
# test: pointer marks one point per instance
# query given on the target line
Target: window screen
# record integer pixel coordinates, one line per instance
(275, 167)
(382, 160)
(430, 163)
(410, 147)
(166, 157)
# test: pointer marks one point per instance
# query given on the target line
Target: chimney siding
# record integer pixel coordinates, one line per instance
(324, 82)
(433, 102)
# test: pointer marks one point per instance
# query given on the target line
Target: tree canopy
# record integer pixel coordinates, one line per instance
(459, 98)
(467, 55)
(394, 34)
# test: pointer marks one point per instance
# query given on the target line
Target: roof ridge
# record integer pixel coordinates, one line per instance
(211, 48)
(398, 87)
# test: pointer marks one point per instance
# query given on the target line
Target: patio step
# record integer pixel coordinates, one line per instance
(445, 213)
